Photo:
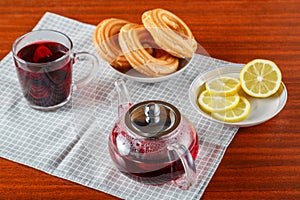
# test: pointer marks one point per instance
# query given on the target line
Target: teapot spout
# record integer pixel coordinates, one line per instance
(124, 100)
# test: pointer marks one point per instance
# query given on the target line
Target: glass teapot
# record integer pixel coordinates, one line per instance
(152, 142)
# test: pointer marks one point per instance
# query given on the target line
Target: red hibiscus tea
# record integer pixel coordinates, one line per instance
(146, 160)
(45, 83)
(152, 170)
(44, 61)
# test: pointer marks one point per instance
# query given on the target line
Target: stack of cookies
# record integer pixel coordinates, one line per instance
(152, 48)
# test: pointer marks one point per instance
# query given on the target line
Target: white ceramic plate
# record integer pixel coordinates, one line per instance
(137, 76)
(262, 109)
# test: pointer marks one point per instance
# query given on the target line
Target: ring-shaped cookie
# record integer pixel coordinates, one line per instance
(170, 32)
(106, 43)
(143, 53)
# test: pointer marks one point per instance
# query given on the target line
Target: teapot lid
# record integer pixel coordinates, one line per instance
(152, 118)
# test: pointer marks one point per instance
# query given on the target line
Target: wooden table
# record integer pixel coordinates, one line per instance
(262, 162)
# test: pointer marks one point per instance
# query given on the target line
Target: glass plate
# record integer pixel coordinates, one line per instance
(139, 77)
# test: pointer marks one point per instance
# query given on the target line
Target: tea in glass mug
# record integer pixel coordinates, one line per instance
(44, 61)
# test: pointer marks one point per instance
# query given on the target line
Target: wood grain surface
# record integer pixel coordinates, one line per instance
(263, 161)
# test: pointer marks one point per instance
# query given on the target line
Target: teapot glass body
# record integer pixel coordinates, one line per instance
(151, 142)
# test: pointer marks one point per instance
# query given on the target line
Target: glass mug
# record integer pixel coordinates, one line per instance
(44, 64)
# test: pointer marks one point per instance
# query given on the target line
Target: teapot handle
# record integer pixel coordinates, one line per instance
(188, 163)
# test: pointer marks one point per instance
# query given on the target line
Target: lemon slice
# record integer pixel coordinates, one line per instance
(236, 114)
(260, 78)
(213, 103)
(226, 86)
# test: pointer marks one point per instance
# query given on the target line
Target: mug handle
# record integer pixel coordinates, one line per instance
(188, 163)
(81, 57)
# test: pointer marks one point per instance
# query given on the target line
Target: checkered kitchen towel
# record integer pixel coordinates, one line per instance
(72, 142)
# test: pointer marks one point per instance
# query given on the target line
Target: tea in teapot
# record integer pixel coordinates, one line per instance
(152, 142)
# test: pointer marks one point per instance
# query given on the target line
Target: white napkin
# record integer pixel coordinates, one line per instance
(72, 142)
